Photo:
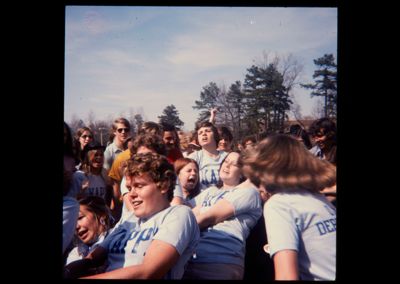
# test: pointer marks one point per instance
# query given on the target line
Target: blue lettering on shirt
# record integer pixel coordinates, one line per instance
(214, 179)
(326, 226)
(145, 235)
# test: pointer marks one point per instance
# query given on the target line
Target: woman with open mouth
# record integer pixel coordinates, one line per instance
(93, 224)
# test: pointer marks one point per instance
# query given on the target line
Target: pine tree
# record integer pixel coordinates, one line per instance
(325, 84)
(170, 116)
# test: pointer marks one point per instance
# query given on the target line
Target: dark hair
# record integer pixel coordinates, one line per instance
(166, 127)
(327, 125)
(67, 180)
(68, 148)
(251, 138)
(98, 206)
(298, 131)
(156, 166)
(225, 133)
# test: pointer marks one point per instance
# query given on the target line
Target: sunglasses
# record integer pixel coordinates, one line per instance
(123, 129)
(86, 136)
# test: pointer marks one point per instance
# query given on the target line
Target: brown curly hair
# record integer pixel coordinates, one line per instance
(156, 166)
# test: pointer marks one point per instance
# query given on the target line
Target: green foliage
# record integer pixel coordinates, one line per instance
(325, 84)
(208, 100)
(267, 98)
(170, 116)
(139, 121)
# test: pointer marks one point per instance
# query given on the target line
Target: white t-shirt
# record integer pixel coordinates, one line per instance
(175, 225)
(306, 223)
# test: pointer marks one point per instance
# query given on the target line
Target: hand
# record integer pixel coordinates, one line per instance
(85, 184)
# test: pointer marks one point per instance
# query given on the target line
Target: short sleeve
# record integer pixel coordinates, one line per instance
(179, 228)
(280, 224)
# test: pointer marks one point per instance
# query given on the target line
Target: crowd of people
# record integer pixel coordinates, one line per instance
(161, 204)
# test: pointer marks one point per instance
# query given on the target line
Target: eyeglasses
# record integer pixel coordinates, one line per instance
(123, 129)
(87, 136)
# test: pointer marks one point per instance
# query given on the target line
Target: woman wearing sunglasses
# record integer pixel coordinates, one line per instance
(83, 137)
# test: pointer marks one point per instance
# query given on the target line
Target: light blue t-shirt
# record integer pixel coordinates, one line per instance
(175, 225)
(70, 218)
(97, 185)
(208, 167)
(225, 242)
(306, 223)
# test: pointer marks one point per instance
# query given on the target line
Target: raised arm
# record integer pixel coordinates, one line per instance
(213, 112)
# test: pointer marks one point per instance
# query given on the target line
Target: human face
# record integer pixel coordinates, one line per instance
(224, 145)
(122, 132)
(88, 227)
(85, 138)
(205, 135)
(96, 158)
(320, 139)
(230, 172)
(189, 176)
(169, 139)
(144, 195)
(249, 145)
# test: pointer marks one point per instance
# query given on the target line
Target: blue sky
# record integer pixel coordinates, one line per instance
(141, 59)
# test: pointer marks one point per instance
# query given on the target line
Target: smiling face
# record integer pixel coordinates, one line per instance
(88, 227)
(189, 176)
(144, 195)
(230, 172)
(96, 158)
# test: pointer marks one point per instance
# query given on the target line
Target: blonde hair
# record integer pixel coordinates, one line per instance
(280, 162)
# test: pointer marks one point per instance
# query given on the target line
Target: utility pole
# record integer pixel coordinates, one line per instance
(101, 134)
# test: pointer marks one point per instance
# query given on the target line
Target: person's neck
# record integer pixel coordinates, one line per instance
(211, 151)
(229, 186)
(119, 144)
(95, 171)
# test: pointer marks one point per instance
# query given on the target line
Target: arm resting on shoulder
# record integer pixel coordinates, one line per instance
(159, 259)
(286, 266)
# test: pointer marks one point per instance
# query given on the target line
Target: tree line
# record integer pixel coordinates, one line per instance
(260, 105)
